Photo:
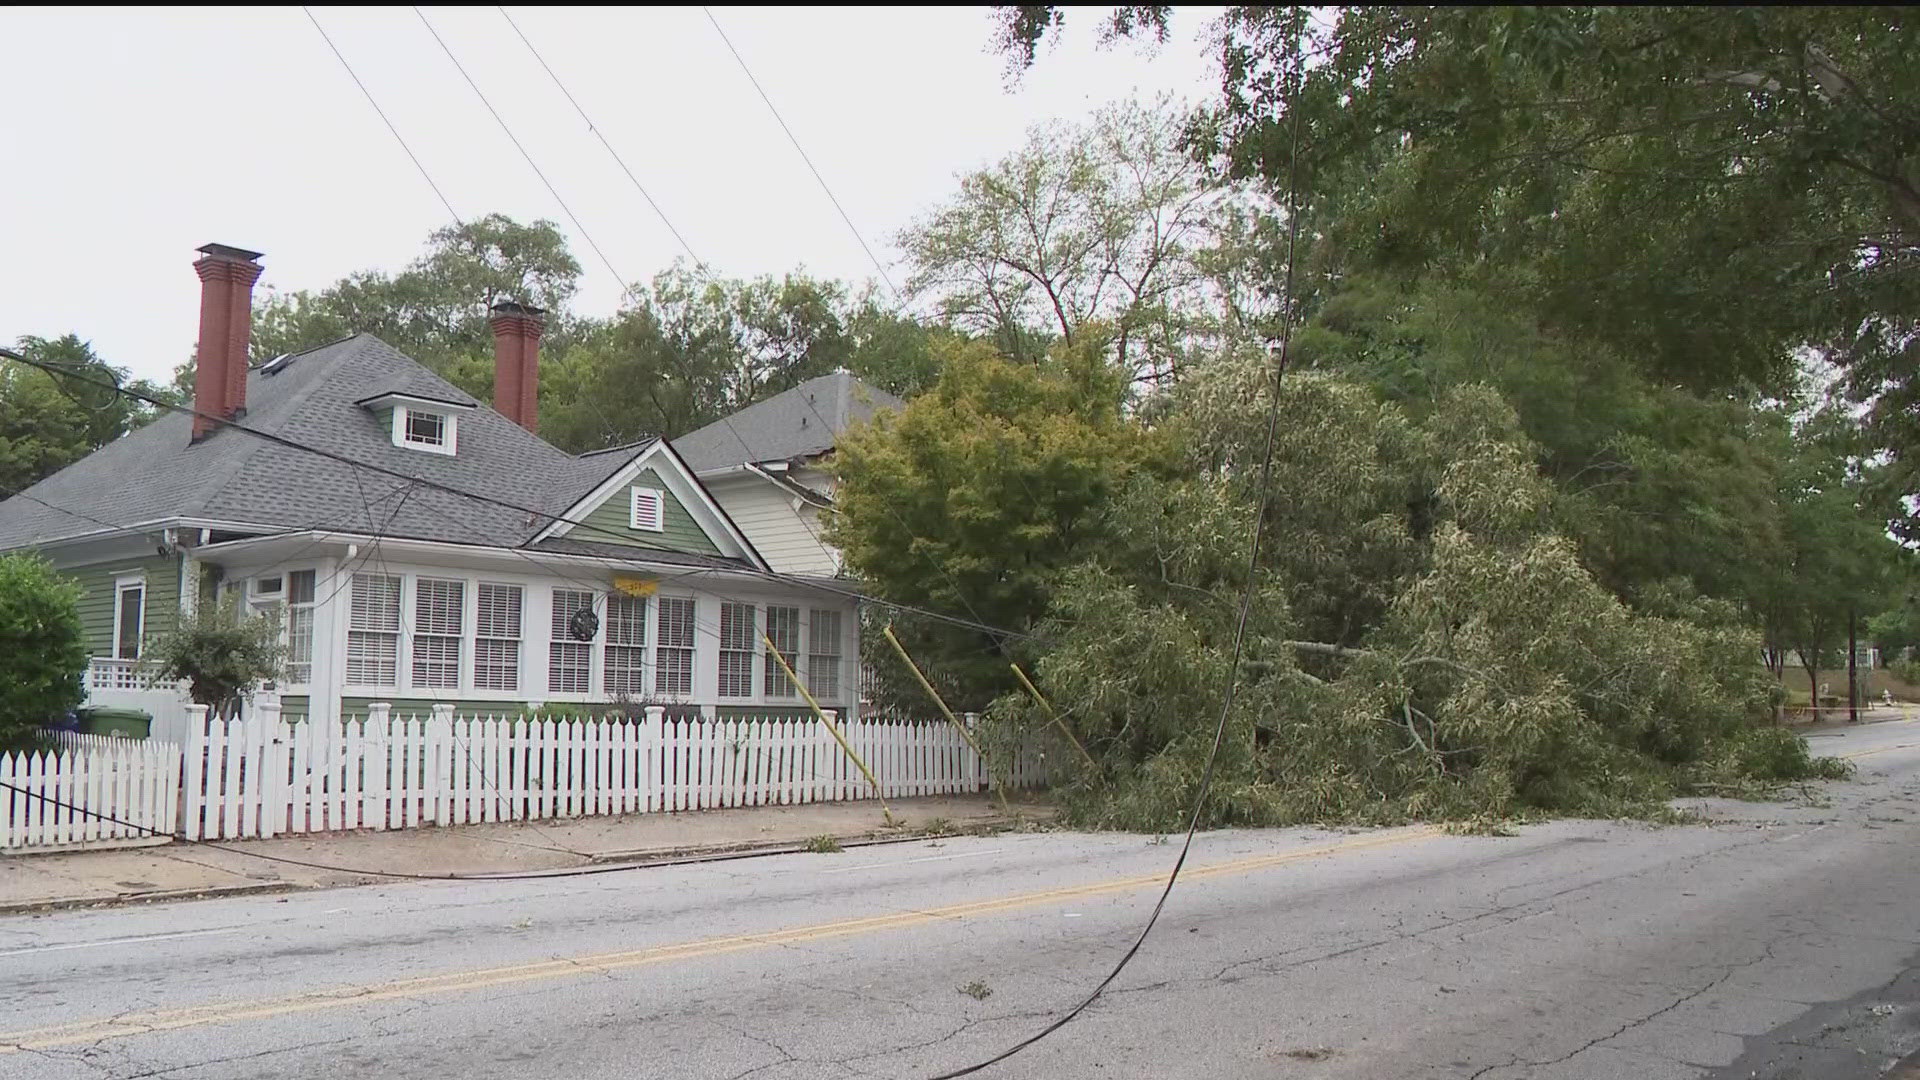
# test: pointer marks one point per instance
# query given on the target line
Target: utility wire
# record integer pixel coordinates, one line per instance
(844, 216)
(411, 156)
(1240, 621)
(498, 119)
(592, 127)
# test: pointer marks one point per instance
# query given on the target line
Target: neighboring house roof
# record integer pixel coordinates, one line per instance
(311, 398)
(799, 423)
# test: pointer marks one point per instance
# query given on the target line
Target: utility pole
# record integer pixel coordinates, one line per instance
(1853, 680)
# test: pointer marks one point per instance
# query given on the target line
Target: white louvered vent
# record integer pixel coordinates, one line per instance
(649, 510)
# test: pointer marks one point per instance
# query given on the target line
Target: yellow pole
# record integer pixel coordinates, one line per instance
(1061, 724)
(774, 651)
(998, 788)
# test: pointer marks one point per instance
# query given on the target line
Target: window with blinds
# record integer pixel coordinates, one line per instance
(373, 630)
(496, 645)
(823, 654)
(569, 661)
(783, 628)
(300, 626)
(673, 646)
(626, 650)
(439, 620)
(738, 643)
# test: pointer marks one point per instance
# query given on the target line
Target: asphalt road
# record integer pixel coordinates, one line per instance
(1777, 940)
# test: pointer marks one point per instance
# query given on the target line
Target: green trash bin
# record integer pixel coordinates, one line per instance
(110, 720)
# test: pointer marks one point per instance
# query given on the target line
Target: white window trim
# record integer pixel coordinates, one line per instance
(121, 585)
(449, 422)
(634, 495)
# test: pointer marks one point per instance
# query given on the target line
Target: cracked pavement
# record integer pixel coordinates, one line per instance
(1773, 941)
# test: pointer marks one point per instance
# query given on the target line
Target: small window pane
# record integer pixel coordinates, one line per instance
(133, 602)
(783, 627)
(823, 655)
(626, 641)
(425, 428)
(737, 647)
(569, 660)
(373, 630)
(438, 623)
(496, 647)
(673, 649)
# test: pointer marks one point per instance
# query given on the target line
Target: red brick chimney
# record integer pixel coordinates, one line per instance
(516, 362)
(227, 275)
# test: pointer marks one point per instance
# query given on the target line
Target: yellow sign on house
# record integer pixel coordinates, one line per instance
(629, 585)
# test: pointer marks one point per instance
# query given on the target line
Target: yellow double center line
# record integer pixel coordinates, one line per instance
(348, 996)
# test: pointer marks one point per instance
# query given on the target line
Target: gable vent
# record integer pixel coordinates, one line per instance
(649, 510)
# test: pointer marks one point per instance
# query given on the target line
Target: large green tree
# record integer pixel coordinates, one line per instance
(49, 420)
(435, 310)
(1102, 221)
(974, 497)
(1710, 191)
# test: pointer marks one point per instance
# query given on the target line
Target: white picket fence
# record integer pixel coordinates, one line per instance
(266, 777)
(93, 791)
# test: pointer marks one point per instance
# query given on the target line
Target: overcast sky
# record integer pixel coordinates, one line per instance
(132, 137)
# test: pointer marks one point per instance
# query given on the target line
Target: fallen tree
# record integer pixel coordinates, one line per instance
(1460, 661)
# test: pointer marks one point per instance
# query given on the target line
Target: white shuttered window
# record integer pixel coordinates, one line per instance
(823, 655)
(783, 627)
(626, 654)
(439, 620)
(300, 585)
(496, 646)
(673, 647)
(739, 640)
(373, 631)
(569, 660)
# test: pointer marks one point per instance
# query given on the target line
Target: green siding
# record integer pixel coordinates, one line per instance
(781, 712)
(96, 600)
(608, 522)
(357, 706)
(294, 706)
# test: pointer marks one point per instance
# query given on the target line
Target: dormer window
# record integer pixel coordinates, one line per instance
(426, 429)
(419, 427)
(419, 423)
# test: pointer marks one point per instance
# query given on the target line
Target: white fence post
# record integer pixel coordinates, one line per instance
(192, 824)
(439, 739)
(972, 778)
(652, 749)
(268, 763)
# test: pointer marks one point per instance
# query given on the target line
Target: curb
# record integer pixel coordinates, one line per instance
(209, 892)
(638, 859)
(750, 848)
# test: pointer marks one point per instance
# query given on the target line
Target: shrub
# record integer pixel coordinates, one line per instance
(221, 656)
(43, 650)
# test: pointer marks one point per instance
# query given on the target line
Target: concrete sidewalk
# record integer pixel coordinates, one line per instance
(181, 870)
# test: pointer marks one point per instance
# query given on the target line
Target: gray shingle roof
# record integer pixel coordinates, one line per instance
(798, 423)
(156, 473)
